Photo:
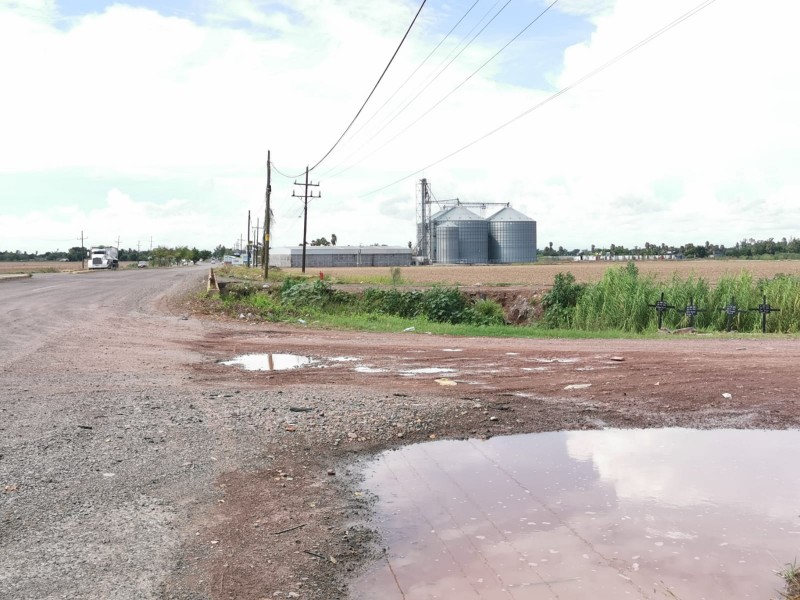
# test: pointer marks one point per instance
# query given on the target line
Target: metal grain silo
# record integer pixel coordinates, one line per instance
(447, 243)
(512, 237)
(473, 234)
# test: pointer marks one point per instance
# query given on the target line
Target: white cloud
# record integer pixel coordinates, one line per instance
(662, 466)
(138, 97)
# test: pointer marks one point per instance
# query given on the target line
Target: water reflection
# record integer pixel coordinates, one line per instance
(601, 514)
(269, 362)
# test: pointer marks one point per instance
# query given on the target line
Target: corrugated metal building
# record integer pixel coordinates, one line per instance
(341, 256)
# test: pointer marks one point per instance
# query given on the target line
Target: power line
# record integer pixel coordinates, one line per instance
(427, 83)
(279, 172)
(415, 71)
(414, 20)
(561, 92)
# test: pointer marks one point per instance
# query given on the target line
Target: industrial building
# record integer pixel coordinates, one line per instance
(455, 234)
(341, 256)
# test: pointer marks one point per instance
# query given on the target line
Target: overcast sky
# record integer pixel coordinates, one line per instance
(152, 119)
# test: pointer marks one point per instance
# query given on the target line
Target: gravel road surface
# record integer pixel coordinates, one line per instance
(133, 465)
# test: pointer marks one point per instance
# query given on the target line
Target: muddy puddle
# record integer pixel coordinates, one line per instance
(269, 362)
(663, 513)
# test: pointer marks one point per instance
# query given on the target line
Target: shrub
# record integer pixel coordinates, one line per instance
(445, 305)
(559, 303)
(487, 312)
(239, 291)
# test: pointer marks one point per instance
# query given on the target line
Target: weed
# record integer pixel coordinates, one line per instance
(560, 302)
(444, 305)
(487, 312)
(396, 276)
(791, 579)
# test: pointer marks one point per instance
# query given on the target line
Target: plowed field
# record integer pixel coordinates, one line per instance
(542, 274)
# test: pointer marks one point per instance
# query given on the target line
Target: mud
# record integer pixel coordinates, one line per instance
(502, 386)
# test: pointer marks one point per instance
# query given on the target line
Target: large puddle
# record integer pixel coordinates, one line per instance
(669, 513)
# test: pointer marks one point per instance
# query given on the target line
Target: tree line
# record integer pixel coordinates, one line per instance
(747, 248)
(160, 254)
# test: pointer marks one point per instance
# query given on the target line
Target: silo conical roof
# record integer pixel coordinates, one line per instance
(458, 213)
(509, 214)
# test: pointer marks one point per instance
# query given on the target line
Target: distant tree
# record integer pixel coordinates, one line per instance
(333, 239)
(320, 242)
(76, 253)
(220, 251)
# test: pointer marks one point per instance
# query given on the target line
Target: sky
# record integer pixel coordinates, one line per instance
(149, 122)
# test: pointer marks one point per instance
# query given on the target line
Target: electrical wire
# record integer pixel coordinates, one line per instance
(391, 60)
(424, 86)
(415, 71)
(559, 93)
(281, 173)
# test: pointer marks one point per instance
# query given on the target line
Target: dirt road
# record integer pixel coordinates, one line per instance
(134, 465)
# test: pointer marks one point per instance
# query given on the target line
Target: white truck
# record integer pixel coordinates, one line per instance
(103, 258)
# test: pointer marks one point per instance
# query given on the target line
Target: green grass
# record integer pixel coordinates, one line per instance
(618, 306)
(791, 578)
(623, 299)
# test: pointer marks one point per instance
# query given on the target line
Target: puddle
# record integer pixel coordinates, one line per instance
(427, 371)
(344, 359)
(668, 513)
(556, 360)
(269, 362)
(363, 369)
(452, 349)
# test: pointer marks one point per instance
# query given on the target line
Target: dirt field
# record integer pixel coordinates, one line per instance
(542, 274)
(50, 266)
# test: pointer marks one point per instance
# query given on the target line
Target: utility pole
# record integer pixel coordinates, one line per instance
(265, 261)
(248, 239)
(83, 253)
(256, 245)
(117, 242)
(305, 211)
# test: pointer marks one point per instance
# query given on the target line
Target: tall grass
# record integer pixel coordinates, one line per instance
(623, 300)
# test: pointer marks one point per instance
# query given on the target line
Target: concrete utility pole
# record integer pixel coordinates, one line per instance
(265, 261)
(305, 212)
(117, 242)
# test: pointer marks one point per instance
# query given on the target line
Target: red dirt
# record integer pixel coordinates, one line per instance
(503, 386)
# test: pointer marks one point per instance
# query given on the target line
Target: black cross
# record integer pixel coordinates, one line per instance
(732, 310)
(661, 307)
(691, 311)
(764, 308)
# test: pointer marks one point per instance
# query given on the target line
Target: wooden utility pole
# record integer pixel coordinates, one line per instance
(83, 253)
(265, 261)
(248, 239)
(305, 212)
(256, 246)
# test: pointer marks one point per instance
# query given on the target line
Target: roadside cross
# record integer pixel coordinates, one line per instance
(731, 311)
(691, 311)
(661, 307)
(764, 308)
